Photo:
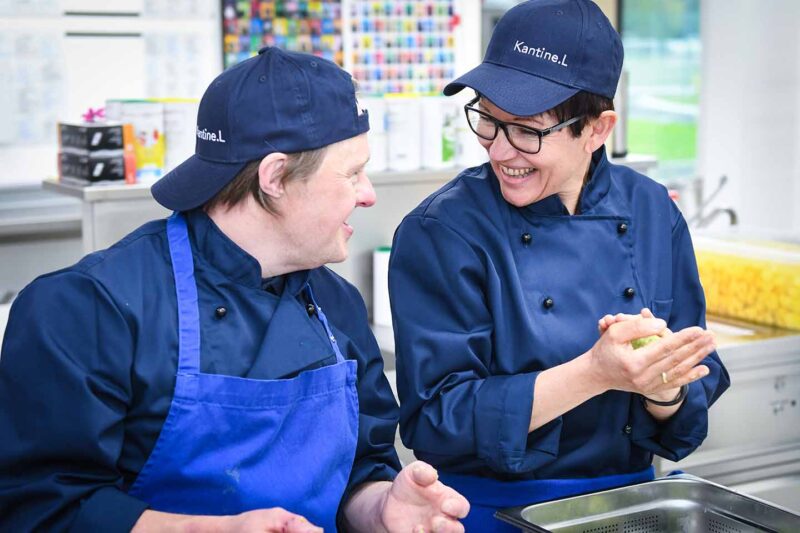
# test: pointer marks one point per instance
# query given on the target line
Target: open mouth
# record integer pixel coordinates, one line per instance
(512, 174)
(517, 172)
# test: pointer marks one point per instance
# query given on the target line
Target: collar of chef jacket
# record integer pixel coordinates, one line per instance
(211, 245)
(593, 192)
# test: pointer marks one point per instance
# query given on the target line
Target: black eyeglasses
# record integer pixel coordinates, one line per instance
(523, 138)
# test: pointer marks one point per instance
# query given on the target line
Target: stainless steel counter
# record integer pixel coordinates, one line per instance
(29, 211)
(109, 212)
(39, 232)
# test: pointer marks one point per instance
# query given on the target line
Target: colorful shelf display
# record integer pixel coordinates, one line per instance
(403, 46)
(307, 26)
(392, 46)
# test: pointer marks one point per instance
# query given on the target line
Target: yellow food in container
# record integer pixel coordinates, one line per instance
(756, 281)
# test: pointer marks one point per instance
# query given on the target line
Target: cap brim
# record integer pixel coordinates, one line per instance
(193, 183)
(512, 90)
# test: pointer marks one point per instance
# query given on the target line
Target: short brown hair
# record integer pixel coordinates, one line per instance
(299, 165)
(589, 105)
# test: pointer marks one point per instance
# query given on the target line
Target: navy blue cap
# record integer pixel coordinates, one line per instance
(277, 101)
(542, 52)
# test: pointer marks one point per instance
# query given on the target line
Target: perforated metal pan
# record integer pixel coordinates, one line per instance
(681, 503)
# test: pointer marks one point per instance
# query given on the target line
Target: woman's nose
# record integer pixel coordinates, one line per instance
(501, 149)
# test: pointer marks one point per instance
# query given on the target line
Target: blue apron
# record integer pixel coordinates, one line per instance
(488, 495)
(232, 444)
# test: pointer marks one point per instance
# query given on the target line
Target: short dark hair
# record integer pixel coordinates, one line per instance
(589, 105)
(299, 165)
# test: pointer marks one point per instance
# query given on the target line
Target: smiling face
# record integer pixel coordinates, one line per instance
(559, 168)
(315, 210)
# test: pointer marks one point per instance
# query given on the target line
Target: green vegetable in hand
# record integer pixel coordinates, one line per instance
(644, 341)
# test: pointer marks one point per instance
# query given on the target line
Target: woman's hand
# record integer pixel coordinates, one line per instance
(657, 370)
(604, 323)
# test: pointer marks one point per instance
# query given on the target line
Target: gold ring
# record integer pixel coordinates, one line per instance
(664, 378)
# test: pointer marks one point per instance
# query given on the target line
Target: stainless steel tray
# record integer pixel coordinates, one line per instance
(681, 503)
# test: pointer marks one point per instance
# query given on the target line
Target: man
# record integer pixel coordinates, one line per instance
(207, 372)
(498, 281)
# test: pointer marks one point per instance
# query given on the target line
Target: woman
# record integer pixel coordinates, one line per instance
(498, 281)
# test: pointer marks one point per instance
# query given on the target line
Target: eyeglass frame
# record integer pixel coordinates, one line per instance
(503, 125)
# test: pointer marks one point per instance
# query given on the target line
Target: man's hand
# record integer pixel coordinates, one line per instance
(416, 502)
(274, 520)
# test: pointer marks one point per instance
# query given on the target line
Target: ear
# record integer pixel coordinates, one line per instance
(599, 130)
(270, 174)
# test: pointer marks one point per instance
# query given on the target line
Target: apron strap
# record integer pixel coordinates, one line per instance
(180, 252)
(322, 318)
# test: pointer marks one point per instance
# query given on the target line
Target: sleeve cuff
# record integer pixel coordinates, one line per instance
(110, 510)
(502, 417)
(373, 472)
(678, 436)
(377, 472)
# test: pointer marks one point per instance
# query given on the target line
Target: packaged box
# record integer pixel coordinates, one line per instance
(404, 124)
(439, 132)
(147, 119)
(180, 121)
(90, 137)
(90, 168)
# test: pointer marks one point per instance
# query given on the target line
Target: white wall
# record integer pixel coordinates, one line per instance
(468, 35)
(750, 109)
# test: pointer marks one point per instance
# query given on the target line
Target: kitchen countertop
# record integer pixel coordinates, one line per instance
(731, 332)
(744, 345)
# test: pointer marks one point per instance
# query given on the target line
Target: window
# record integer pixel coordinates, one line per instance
(662, 58)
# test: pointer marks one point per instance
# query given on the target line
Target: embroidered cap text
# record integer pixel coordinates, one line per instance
(541, 52)
(210, 135)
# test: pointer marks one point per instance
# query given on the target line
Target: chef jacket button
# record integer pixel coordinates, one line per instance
(526, 238)
(629, 292)
(627, 429)
(310, 309)
(622, 228)
(548, 303)
(220, 312)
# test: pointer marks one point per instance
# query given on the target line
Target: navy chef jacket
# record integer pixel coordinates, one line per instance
(89, 359)
(486, 295)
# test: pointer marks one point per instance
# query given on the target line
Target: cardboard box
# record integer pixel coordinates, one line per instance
(147, 119)
(90, 168)
(88, 137)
